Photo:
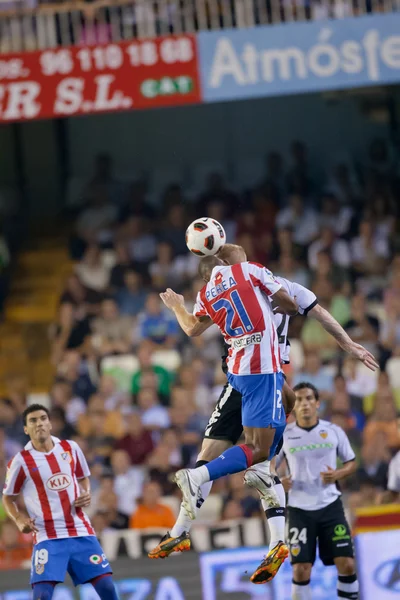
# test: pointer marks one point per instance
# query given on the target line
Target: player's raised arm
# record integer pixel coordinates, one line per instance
(191, 324)
(334, 328)
(264, 279)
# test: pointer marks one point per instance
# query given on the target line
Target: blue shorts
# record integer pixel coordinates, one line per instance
(261, 399)
(82, 557)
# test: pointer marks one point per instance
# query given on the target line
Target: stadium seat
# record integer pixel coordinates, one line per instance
(122, 368)
(169, 359)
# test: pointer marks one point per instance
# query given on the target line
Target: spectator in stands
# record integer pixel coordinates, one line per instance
(231, 510)
(248, 502)
(335, 217)
(137, 441)
(153, 415)
(128, 483)
(72, 370)
(362, 327)
(94, 224)
(289, 268)
(99, 427)
(376, 457)
(383, 383)
(112, 332)
(173, 229)
(136, 205)
(59, 424)
(114, 399)
(197, 393)
(384, 420)
(338, 249)
(359, 382)
(157, 325)
(216, 190)
(162, 270)
(302, 220)
(298, 179)
(151, 512)
(106, 502)
(164, 377)
(141, 242)
(325, 271)
(390, 328)
(11, 422)
(93, 271)
(315, 373)
(123, 264)
(274, 177)
(15, 547)
(131, 298)
(344, 185)
(369, 251)
(62, 397)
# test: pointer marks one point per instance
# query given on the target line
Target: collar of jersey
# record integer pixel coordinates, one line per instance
(308, 428)
(216, 270)
(29, 445)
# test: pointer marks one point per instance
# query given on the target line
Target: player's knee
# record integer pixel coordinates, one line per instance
(345, 565)
(302, 572)
(43, 590)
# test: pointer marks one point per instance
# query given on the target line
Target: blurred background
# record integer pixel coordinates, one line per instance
(93, 213)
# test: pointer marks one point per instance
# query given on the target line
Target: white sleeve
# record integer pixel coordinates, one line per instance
(15, 477)
(81, 467)
(263, 278)
(305, 298)
(279, 458)
(345, 451)
(394, 474)
(199, 309)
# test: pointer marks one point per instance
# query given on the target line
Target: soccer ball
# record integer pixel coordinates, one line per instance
(205, 236)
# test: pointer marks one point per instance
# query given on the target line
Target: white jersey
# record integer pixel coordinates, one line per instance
(308, 452)
(306, 300)
(234, 299)
(394, 474)
(49, 485)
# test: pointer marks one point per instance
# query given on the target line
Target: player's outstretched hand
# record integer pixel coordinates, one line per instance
(83, 500)
(26, 525)
(364, 356)
(328, 476)
(171, 299)
(287, 483)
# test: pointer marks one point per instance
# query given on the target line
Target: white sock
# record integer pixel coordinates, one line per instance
(200, 475)
(276, 516)
(183, 522)
(301, 591)
(347, 586)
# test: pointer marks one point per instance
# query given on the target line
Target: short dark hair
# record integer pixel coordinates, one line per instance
(34, 408)
(207, 263)
(306, 385)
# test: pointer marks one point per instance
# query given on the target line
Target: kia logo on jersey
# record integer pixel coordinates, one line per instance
(59, 482)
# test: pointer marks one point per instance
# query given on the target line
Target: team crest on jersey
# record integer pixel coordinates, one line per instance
(323, 434)
(39, 568)
(295, 549)
(66, 456)
(95, 559)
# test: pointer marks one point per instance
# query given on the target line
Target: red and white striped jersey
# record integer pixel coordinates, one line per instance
(49, 485)
(234, 299)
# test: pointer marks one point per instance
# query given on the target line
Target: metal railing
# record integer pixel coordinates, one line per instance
(102, 21)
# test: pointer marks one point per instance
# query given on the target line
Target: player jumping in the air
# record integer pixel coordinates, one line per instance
(315, 510)
(53, 477)
(225, 426)
(234, 299)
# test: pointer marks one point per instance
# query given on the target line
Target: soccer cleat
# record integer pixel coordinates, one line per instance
(264, 484)
(168, 545)
(190, 492)
(271, 564)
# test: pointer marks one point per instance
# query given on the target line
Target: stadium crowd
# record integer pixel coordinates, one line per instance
(137, 395)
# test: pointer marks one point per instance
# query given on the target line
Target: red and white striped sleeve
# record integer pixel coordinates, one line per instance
(199, 309)
(81, 467)
(15, 477)
(263, 278)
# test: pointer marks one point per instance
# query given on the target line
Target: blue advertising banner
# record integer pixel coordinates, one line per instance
(299, 57)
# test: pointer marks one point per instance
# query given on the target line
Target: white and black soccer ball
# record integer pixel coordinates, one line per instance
(205, 236)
